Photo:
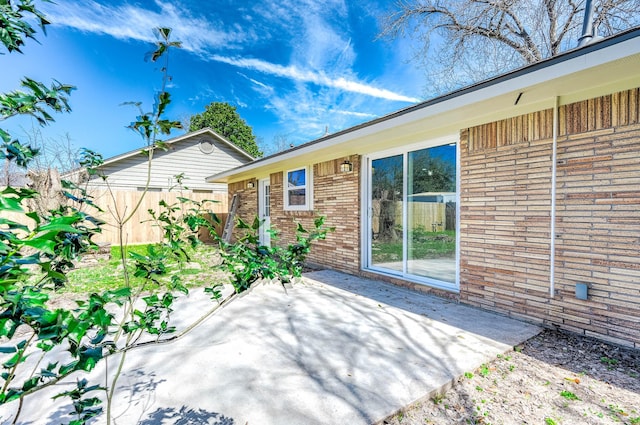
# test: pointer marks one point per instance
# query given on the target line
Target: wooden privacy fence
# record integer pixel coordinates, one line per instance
(432, 216)
(140, 229)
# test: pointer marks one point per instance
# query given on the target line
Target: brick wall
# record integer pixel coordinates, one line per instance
(506, 177)
(248, 205)
(505, 217)
(336, 196)
(598, 231)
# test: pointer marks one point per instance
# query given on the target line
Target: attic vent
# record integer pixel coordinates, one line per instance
(206, 146)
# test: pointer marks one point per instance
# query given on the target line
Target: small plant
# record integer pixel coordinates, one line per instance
(549, 421)
(484, 370)
(438, 398)
(569, 395)
(611, 363)
(615, 411)
(635, 420)
(468, 375)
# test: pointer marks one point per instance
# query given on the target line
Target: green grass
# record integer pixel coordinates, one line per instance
(102, 277)
(423, 245)
(138, 249)
(108, 274)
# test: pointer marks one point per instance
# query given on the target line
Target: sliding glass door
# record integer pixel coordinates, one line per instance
(387, 192)
(412, 219)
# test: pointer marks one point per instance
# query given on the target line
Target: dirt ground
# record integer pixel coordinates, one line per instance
(553, 378)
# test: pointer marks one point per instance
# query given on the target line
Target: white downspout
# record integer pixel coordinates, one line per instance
(554, 166)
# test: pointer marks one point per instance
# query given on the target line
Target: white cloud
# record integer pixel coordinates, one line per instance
(355, 114)
(322, 53)
(322, 46)
(305, 76)
(306, 115)
(263, 89)
(129, 22)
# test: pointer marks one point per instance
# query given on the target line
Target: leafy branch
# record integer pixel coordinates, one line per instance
(15, 24)
(247, 260)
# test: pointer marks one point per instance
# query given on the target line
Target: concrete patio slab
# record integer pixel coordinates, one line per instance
(334, 349)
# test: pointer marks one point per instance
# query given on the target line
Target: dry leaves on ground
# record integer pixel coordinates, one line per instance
(553, 378)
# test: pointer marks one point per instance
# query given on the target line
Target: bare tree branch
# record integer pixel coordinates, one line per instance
(469, 40)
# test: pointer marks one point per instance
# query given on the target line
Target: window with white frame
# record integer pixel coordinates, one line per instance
(297, 193)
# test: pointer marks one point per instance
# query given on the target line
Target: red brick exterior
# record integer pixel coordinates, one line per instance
(248, 204)
(506, 182)
(336, 196)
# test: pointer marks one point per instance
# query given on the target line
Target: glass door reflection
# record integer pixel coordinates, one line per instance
(386, 213)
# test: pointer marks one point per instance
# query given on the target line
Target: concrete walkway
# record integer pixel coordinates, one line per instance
(335, 349)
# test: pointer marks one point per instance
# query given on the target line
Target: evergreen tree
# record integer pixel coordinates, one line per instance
(225, 120)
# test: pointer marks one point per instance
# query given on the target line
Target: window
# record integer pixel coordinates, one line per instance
(297, 193)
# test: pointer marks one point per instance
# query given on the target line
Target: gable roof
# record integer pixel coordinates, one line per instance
(186, 136)
(609, 65)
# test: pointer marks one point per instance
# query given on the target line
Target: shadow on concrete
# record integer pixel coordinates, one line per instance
(186, 416)
(364, 349)
(137, 389)
(468, 318)
(63, 414)
(333, 349)
(436, 346)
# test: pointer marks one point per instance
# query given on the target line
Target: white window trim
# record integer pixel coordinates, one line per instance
(308, 187)
(365, 192)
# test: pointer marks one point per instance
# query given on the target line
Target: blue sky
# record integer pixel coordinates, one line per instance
(292, 68)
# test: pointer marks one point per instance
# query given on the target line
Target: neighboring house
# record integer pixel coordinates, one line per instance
(542, 165)
(194, 154)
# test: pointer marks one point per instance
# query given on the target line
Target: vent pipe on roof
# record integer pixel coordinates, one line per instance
(589, 31)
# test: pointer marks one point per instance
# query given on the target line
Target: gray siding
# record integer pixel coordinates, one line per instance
(183, 156)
